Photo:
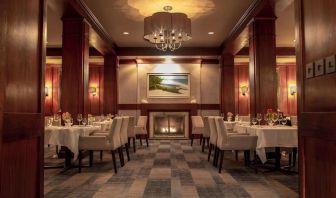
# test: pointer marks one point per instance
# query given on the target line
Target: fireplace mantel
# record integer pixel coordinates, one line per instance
(169, 107)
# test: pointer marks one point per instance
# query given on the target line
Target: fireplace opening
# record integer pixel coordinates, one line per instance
(169, 124)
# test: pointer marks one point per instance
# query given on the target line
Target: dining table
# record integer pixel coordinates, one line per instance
(271, 136)
(68, 137)
(104, 125)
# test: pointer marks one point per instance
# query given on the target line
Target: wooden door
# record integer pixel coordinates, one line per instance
(316, 40)
(21, 98)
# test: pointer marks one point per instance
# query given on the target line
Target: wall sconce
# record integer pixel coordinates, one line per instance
(244, 90)
(292, 89)
(46, 91)
(93, 91)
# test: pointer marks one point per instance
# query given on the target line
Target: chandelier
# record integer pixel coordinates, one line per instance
(167, 30)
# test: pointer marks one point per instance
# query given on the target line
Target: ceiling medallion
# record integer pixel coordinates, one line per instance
(167, 30)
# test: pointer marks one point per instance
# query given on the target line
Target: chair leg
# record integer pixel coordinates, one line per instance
(203, 143)
(236, 155)
(201, 138)
(134, 148)
(294, 156)
(91, 158)
(114, 161)
(210, 148)
(146, 139)
(255, 162)
(121, 157)
(208, 139)
(140, 140)
(128, 156)
(80, 161)
(129, 141)
(101, 155)
(192, 139)
(221, 161)
(214, 162)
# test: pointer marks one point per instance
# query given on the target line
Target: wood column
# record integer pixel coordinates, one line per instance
(75, 67)
(262, 68)
(227, 84)
(110, 84)
(22, 57)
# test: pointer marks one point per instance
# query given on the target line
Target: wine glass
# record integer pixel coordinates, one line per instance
(280, 118)
(284, 121)
(79, 118)
(254, 121)
(274, 118)
(84, 121)
(70, 121)
(259, 118)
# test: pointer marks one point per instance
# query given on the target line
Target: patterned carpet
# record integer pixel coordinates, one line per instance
(167, 169)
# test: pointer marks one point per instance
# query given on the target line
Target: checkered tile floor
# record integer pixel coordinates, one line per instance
(167, 168)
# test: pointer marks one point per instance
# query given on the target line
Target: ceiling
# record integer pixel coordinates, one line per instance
(218, 16)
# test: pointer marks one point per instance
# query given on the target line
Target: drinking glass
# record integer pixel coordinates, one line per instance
(280, 118)
(79, 118)
(284, 121)
(254, 121)
(70, 121)
(84, 121)
(274, 118)
(259, 118)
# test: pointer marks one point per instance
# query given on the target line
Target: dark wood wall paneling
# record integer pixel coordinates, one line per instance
(316, 39)
(242, 103)
(96, 80)
(21, 97)
(110, 84)
(52, 82)
(287, 103)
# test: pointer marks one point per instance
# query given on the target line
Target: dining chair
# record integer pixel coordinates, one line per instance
(229, 142)
(123, 135)
(131, 132)
(111, 142)
(197, 128)
(206, 132)
(213, 137)
(140, 129)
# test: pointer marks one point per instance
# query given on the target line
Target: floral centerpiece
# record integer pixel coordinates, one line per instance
(67, 118)
(269, 116)
(229, 116)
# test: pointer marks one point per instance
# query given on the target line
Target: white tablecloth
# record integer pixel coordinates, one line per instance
(105, 125)
(67, 136)
(276, 136)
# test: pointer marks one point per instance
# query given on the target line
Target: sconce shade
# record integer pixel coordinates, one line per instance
(93, 91)
(244, 90)
(46, 91)
(292, 89)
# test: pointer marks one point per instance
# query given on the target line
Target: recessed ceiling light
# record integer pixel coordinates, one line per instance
(211, 33)
(126, 33)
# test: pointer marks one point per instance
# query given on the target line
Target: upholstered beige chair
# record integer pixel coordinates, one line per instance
(131, 132)
(206, 132)
(111, 142)
(197, 128)
(230, 142)
(140, 129)
(124, 136)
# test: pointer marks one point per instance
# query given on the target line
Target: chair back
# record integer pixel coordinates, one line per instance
(221, 131)
(197, 124)
(130, 129)
(213, 130)
(206, 129)
(123, 130)
(142, 121)
(115, 130)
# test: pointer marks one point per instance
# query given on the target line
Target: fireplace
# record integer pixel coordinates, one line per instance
(169, 124)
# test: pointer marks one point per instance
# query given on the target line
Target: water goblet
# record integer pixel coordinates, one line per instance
(84, 121)
(284, 121)
(79, 118)
(254, 121)
(259, 118)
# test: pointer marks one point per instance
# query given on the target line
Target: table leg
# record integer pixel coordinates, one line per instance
(277, 158)
(67, 162)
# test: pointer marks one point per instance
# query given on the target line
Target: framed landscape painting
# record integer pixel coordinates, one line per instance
(168, 85)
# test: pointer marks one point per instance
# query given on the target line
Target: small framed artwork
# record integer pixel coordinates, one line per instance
(330, 64)
(319, 67)
(175, 85)
(310, 70)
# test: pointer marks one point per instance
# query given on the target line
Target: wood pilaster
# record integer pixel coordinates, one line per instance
(262, 68)
(110, 84)
(227, 84)
(75, 67)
